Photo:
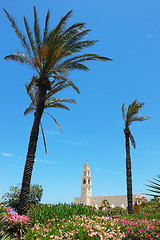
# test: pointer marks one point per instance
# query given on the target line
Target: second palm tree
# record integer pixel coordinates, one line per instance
(129, 118)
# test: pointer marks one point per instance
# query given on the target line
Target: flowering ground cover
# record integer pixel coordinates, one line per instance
(137, 229)
(12, 222)
(69, 221)
(77, 227)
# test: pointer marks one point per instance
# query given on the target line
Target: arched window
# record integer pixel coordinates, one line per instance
(84, 181)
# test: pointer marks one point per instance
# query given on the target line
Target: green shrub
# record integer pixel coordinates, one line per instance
(11, 198)
(114, 211)
(151, 208)
(44, 212)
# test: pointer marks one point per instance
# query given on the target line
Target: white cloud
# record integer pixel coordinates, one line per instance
(45, 161)
(6, 154)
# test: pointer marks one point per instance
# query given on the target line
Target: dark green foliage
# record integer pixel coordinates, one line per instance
(114, 211)
(151, 208)
(11, 198)
(83, 235)
(105, 203)
(154, 187)
(44, 212)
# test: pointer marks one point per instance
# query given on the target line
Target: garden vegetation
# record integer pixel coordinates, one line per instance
(71, 221)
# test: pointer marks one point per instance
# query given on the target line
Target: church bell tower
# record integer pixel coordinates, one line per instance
(86, 186)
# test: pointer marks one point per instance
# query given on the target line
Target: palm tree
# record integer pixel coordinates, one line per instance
(52, 55)
(50, 102)
(154, 188)
(129, 118)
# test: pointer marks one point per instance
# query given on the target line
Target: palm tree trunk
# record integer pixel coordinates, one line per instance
(128, 173)
(24, 196)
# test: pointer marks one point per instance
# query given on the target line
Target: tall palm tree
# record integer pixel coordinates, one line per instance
(50, 102)
(52, 55)
(129, 118)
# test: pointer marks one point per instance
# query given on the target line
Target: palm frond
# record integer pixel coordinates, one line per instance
(75, 38)
(56, 33)
(32, 84)
(37, 31)
(76, 65)
(123, 112)
(32, 91)
(44, 140)
(55, 122)
(18, 33)
(30, 37)
(55, 89)
(133, 109)
(29, 110)
(18, 57)
(65, 46)
(154, 188)
(138, 107)
(59, 100)
(62, 24)
(130, 109)
(75, 62)
(53, 57)
(56, 105)
(46, 30)
(132, 140)
(139, 119)
(82, 44)
(73, 29)
(66, 80)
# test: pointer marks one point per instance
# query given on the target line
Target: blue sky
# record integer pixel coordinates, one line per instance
(129, 33)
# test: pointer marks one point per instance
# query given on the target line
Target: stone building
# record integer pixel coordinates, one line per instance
(115, 201)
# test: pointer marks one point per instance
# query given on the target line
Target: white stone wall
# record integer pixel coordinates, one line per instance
(82, 200)
(115, 201)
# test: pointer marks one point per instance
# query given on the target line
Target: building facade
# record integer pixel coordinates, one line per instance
(114, 201)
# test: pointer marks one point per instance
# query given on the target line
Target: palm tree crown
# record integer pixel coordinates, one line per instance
(55, 52)
(131, 116)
